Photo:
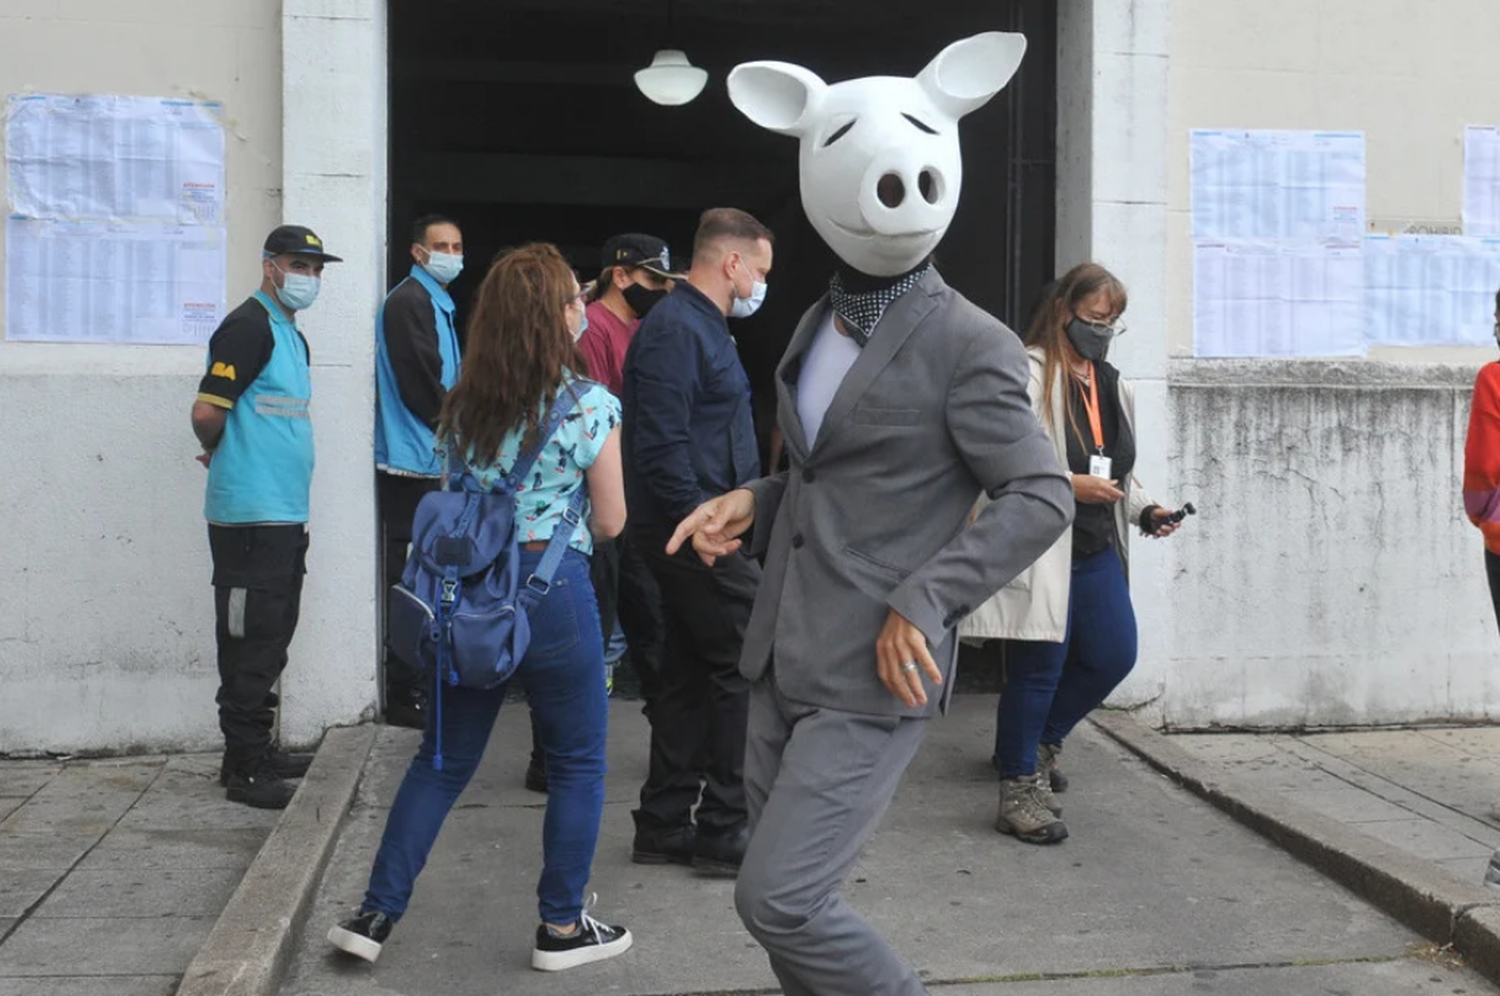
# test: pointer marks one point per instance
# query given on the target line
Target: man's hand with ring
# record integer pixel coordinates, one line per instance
(901, 657)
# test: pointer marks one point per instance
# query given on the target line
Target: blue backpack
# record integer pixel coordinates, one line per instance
(459, 613)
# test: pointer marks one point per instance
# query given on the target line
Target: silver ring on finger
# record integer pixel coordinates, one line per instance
(909, 666)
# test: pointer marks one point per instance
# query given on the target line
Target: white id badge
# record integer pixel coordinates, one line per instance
(1100, 466)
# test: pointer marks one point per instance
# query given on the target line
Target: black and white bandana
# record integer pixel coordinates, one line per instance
(862, 309)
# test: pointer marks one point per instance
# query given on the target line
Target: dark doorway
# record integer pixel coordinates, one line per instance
(521, 119)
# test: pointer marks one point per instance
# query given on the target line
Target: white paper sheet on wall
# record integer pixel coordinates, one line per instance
(1275, 297)
(1431, 290)
(1273, 184)
(116, 221)
(107, 282)
(1482, 180)
(112, 158)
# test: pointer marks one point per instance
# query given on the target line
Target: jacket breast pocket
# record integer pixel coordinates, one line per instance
(894, 417)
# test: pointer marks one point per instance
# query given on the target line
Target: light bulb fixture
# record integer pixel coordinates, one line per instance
(671, 79)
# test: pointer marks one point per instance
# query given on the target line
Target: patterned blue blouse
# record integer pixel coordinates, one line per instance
(560, 466)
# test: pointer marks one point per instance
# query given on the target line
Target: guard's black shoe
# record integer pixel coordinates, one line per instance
(284, 764)
(673, 845)
(363, 935)
(720, 854)
(592, 941)
(259, 786)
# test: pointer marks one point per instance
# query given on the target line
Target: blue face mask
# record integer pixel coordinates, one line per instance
(444, 266)
(583, 327)
(744, 307)
(298, 291)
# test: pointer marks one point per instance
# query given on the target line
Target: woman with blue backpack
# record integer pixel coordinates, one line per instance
(518, 425)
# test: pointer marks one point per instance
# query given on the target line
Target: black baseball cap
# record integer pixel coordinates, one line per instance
(294, 240)
(646, 251)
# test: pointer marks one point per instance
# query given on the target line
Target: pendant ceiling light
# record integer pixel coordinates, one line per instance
(671, 79)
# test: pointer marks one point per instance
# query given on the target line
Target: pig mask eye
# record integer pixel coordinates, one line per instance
(839, 132)
(920, 124)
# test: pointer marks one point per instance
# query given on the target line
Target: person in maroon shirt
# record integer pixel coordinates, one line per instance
(637, 273)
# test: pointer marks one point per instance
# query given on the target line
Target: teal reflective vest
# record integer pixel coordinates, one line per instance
(261, 471)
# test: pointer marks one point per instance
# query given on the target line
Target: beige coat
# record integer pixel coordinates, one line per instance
(1035, 605)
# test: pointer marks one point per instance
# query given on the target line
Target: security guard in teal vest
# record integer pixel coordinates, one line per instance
(416, 363)
(252, 418)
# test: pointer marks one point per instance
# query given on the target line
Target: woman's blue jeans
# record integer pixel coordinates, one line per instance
(1050, 687)
(563, 673)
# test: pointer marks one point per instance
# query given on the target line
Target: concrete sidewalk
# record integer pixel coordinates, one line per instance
(112, 872)
(1426, 791)
(1156, 892)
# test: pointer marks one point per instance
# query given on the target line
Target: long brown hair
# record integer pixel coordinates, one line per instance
(1049, 323)
(518, 348)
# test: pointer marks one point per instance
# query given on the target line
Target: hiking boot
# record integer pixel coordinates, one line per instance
(1046, 763)
(1024, 814)
(673, 845)
(589, 942)
(284, 764)
(363, 935)
(259, 785)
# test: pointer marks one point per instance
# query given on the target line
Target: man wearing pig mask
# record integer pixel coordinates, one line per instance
(899, 401)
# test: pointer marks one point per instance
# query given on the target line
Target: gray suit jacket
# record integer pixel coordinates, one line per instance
(871, 516)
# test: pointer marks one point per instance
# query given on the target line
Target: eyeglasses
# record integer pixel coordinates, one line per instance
(1116, 329)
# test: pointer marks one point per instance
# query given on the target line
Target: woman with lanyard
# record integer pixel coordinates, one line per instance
(1068, 618)
(522, 351)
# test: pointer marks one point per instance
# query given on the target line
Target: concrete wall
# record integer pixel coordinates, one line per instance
(1330, 577)
(106, 616)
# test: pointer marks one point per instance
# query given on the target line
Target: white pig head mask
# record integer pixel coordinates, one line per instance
(879, 160)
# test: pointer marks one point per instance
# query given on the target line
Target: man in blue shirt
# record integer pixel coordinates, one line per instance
(689, 435)
(251, 416)
(416, 365)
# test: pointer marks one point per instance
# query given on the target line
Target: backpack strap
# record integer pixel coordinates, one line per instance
(556, 415)
(540, 582)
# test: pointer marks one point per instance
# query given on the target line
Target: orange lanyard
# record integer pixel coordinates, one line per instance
(1091, 405)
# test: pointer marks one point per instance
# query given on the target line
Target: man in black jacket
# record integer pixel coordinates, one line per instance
(688, 435)
(416, 364)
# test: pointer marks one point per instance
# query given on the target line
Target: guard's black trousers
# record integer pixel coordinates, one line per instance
(257, 581)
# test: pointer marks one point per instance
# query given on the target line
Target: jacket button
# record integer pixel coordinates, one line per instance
(809, 476)
(797, 542)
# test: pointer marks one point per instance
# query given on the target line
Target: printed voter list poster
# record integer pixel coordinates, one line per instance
(115, 229)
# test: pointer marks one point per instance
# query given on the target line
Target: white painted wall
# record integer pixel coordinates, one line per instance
(1331, 577)
(106, 615)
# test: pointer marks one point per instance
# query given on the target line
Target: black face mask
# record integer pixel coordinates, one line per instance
(642, 299)
(1091, 341)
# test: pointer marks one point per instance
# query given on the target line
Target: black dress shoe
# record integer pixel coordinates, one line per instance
(720, 854)
(673, 845)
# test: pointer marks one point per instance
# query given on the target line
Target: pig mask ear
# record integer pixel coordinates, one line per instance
(966, 74)
(777, 96)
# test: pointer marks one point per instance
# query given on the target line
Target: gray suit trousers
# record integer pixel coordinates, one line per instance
(817, 782)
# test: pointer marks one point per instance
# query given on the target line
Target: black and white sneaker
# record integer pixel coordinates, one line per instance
(592, 941)
(363, 935)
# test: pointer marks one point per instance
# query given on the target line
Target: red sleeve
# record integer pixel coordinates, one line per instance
(1481, 482)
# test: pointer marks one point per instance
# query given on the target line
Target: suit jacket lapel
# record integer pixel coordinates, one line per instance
(793, 432)
(894, 328)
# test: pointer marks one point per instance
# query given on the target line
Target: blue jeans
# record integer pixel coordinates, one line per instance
(1051, 687)
(563, 672)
